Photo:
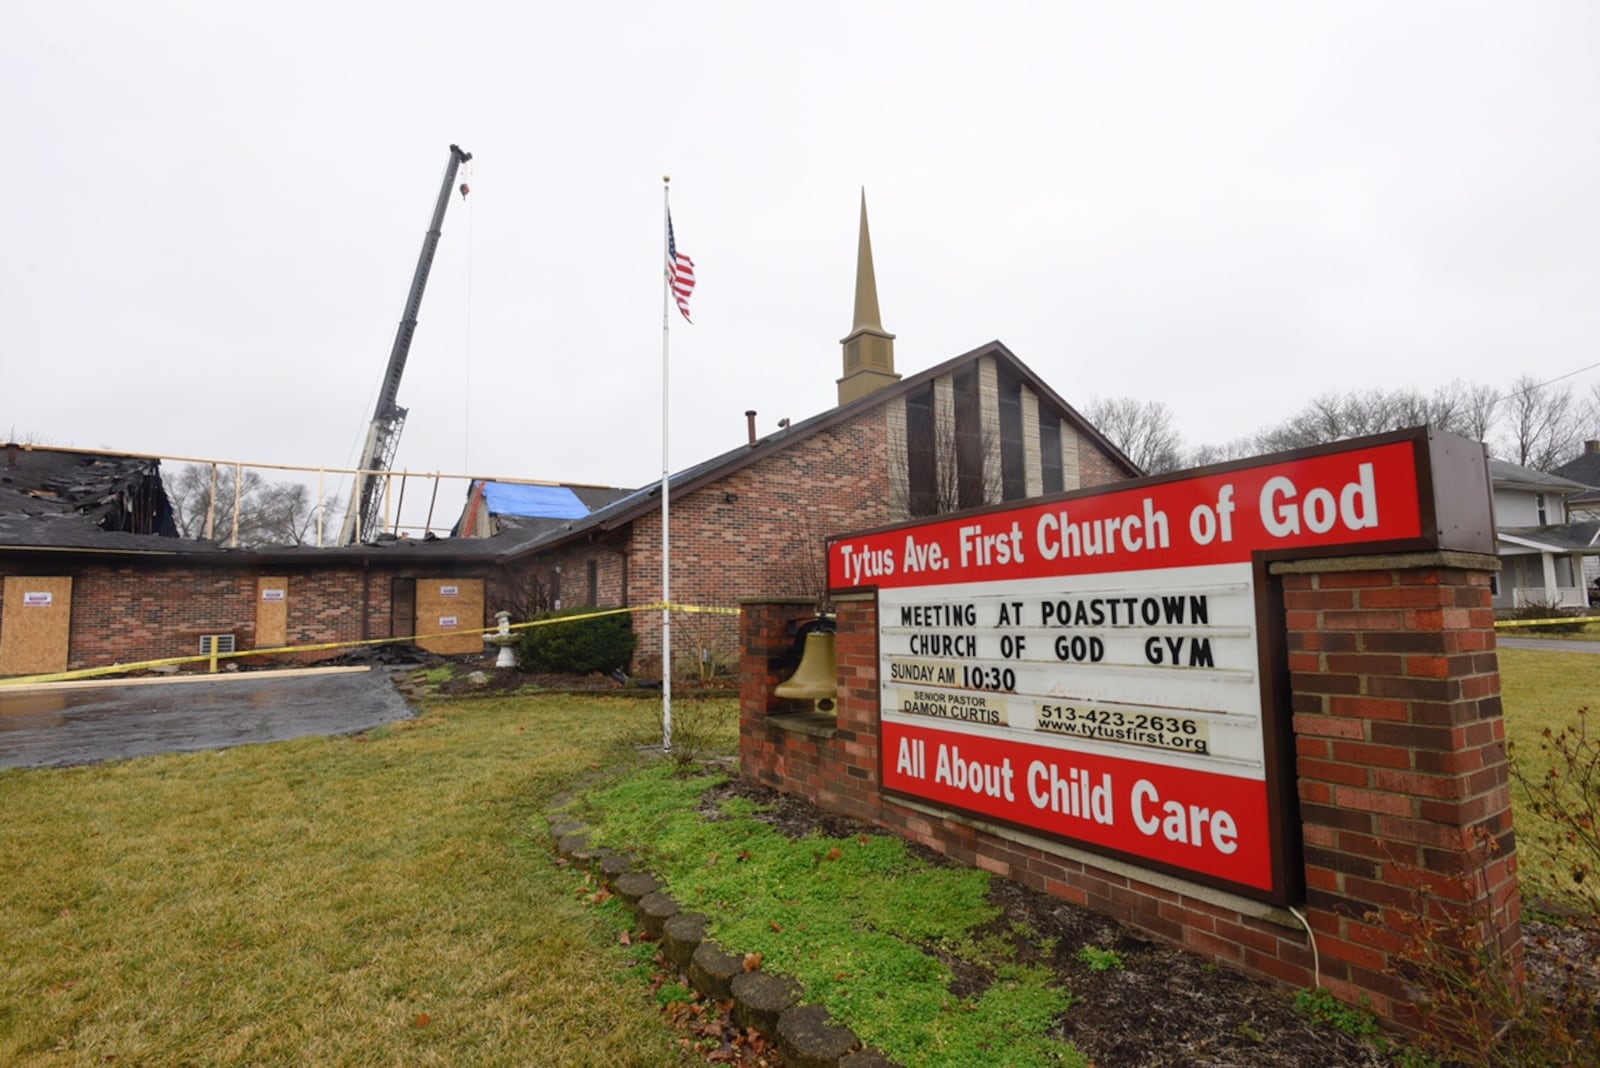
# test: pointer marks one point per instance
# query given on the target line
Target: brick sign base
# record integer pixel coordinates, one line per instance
(1402, 782)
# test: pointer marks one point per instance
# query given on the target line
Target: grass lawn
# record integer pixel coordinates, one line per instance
(386, 898)
(390, 898)
(1544, 689)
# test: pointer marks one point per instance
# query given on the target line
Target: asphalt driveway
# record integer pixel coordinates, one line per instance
(1554, 645)
(78, 724)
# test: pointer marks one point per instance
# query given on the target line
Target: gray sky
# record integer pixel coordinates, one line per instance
(212, 213)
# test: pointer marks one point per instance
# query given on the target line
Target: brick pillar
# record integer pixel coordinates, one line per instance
(766, 644)
(1400, 746)
(829, 758)
(856, 653)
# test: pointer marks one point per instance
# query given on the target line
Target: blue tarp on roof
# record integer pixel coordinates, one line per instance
(538, 502)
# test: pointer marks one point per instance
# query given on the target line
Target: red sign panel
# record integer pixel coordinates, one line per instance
(1090, 668)
(1212, 824)
(1364, 495)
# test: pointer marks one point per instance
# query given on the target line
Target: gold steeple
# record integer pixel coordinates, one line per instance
(869, 350)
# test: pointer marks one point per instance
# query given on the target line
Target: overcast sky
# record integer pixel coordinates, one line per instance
(212, 213)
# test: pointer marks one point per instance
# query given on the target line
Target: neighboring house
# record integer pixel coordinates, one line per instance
(532, 509)
(978, 429)
(1585, 506)
(1541, 552)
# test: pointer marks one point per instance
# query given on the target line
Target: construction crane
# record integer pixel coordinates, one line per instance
(383, 436)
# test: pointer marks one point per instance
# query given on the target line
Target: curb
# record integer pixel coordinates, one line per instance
(772, 1004)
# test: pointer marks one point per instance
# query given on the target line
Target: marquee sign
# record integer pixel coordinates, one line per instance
(1097, 668)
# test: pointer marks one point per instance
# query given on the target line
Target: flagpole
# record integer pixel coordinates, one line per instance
(666, 540)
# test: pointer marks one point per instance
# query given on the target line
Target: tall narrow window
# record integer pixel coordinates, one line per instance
(594, 582)
(922, 472)
(1050, 453)
(968, 441)
(1013, 465)
(1538, 500)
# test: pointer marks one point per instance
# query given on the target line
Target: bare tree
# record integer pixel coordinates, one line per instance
(1143, 430)
(1591, 414)
(1479, 406)
(1459, 407)
(1237, 449)
(1543, 426)
(269, 513)
(522, 592)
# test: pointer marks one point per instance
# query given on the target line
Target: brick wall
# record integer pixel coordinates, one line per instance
(758, 532)
(153, 610)
(1394, 691)
(1095, 467)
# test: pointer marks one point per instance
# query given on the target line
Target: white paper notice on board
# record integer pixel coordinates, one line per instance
(449, 591)
(272, 595)
(38, 599)
(447, 621)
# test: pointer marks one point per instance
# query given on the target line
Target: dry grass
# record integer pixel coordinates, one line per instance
(379, 899)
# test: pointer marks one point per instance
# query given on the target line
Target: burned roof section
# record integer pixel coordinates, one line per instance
(61, 496)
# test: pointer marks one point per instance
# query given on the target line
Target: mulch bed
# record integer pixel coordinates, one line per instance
(1166, 1008)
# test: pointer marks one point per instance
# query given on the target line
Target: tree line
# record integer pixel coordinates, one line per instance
(1531, 424)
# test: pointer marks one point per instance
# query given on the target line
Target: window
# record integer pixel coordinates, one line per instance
(968, 440)
(922, 475)
(555, 588)
(1013, 464)
(1050, 453)
(1538, 502)
(594, 582)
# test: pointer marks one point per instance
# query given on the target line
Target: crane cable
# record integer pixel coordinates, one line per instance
(466, 415)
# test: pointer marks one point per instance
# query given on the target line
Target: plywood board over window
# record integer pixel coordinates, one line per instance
(36, 625)
(272, 612)
(450, 615)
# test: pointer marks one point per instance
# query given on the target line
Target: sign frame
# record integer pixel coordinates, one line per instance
(1448, 494)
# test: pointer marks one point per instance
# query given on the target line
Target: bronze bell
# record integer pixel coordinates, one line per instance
(817, 677)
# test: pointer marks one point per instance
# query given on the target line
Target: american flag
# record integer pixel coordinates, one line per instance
(680, 272)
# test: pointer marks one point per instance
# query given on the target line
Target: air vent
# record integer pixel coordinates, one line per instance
(216, 643)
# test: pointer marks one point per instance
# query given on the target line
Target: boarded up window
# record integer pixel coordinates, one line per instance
(450, 616)
(36, 625)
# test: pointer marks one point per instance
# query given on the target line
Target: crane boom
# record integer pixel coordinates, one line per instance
(383, 435)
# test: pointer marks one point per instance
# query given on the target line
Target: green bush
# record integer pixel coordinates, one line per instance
(577, 646)
(1540, 610)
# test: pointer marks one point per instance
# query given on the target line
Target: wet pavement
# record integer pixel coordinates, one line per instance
(56, 727)
(1554, 645)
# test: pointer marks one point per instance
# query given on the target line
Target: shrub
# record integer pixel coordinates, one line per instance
(1562, 782)
(577, 646)
(1539, 610)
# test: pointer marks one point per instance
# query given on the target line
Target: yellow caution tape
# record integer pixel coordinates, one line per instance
(283, 650)
(1508, 624)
